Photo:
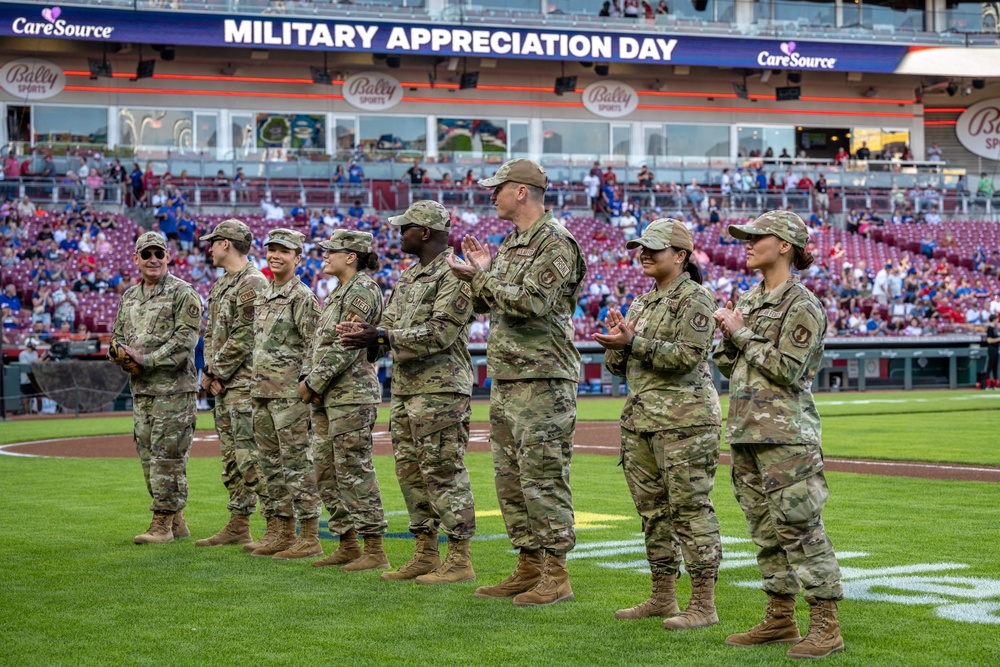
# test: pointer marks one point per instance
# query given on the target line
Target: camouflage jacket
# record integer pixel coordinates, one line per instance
(161, 323)
(345, 377)
(427, 319)
(284, 328)
(771, 363)
(530, 292)
(229, 336)
(669, 378)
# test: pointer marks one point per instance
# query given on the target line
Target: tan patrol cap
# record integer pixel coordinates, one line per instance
(285, 237)
(784, 224)
(664, 233)
(521, 170)
(150, 240)
(345, 239)
(231, 229)
(424, 213)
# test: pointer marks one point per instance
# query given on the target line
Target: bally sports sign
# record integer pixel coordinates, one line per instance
(978, 128)
(29, 79)
(372, 91)
(610, 99)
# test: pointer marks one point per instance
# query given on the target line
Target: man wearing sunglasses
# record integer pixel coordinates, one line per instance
(229, 341)
(157, 326)
(426, 327)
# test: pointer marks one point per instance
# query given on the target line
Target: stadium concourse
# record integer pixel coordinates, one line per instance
(883, 279)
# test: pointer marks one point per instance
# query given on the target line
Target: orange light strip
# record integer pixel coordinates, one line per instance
(454, 86)
(940, 122)
(944, 110)
(438, 100)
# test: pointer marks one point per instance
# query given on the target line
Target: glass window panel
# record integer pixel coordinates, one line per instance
(344, 136)
(907, 14)
(207, 133)
(291, 131)
(387, 136)
(518, 140)
(696, 140)
(242, 129)
(803, 12)
(709, 10)
(750, 141)
(654, 141)
(156, 130)
(778, 139)
(972, 16)
(471, 135)
(66, 126)
(895, 142)
(621, 140)
(567, 137)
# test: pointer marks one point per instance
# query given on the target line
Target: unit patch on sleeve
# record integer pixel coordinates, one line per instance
(699, 322)
(801, 336)
(360, 304)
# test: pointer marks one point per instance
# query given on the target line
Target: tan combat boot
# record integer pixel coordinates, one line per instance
(778, 626)
(160, 530)
(271, 530)
(823, 637)
(372, 558)
(307, 545)
(663, 601)
(179, 526)
(237, 531)
(700, 612)
(551, 588)
(284, 539)
(457, 567)
(524, 577)
(348, 550)
(426, 558)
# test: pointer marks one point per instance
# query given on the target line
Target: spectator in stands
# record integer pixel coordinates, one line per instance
(864, 152)
(610, 206)
(470, 217)
(272, 210)
(479, 329)
(662, 7)
(221, 184)
(415, 174)
(913, 328)
(629, 225)
(876, 326)
(356, 210)
(25, 208)
(592, 184)
(11, 168)
(842, 158)
(934, 153)
(645, 178)
(355, 173)
(695, 194)
(984, 189)
(31, 403)
(761, 180)
(10, 299)
(241, 185)
(64, 302)
(929, 198)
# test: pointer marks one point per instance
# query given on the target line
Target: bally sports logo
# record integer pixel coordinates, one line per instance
(53, 26)
(30, 79)
(789, 58)
(372, 91)
(978, 128)
(610, 99)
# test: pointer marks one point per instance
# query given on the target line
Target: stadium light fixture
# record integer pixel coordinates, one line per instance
(99, 68)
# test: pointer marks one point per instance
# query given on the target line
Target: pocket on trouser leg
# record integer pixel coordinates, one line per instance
(801, 503)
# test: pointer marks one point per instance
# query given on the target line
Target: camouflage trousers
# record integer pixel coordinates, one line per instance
(430, 433)
(281, 429)
(671, 474)
(163, 429)
(782, 490)
(240, 467)
(532, 424)
(345, 476)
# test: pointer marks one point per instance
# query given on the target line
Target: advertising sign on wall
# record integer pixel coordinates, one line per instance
(29, 79)
(610, 99)
(978, 128)
(372, 91)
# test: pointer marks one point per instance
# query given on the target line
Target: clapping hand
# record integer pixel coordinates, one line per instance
(730, 321)
(619, 333)
(477, 257)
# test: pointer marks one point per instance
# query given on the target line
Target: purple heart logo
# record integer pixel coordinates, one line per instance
(51, 15)
(788, 48)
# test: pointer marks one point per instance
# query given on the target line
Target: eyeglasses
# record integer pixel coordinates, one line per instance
(404, 228)
(146, 254)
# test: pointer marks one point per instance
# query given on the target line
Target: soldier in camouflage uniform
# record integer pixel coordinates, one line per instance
(671, 423)
(284, 326)
(227, 373)
(343, 386)
(157, 325)
(426, 327)
(772, 349)
(530, 290)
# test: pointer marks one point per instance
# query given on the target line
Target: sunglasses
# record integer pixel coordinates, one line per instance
(404, 228)
(146, 254)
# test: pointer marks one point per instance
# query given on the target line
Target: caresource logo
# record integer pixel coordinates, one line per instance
(610, 99)
(53, 26)
(372, 91)
(978, 128)
(789, 58)
(30, 79)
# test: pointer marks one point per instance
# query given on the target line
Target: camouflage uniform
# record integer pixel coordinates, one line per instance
(671, 424)
(530, 290)
(427, 325)
(162, 324)
(348, 384)
(774, 428)
(284, 327)
(229, 359)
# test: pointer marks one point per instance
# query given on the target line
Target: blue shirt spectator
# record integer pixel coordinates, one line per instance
(354, 174)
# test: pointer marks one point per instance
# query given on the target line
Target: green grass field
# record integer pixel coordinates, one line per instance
(921, 564)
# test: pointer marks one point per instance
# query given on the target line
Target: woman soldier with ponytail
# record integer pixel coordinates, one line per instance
(671, 422)
(771, 350)
(343, 387)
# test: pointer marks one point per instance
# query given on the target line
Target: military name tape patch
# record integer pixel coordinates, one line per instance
(466, 290)
(525, 252)
(248, 295)
(360, 304)
(561, 266)
(773, 314)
